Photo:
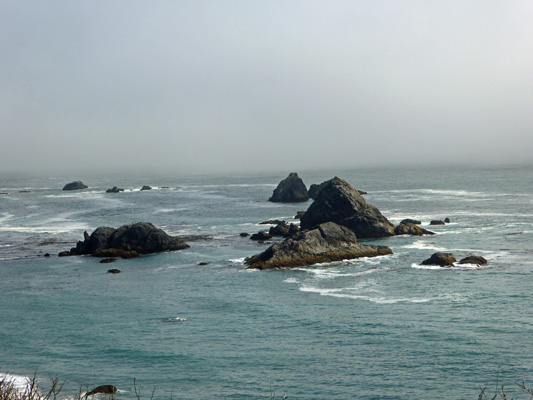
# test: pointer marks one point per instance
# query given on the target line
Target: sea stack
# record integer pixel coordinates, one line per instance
(290, 190)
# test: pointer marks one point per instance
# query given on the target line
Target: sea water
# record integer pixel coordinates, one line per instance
(372, 328)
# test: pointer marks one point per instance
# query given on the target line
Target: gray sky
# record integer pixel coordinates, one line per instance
(210, 86)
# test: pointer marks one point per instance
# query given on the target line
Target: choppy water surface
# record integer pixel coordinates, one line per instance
(379, 328)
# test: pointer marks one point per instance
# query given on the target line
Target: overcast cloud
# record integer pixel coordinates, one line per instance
(209, 86)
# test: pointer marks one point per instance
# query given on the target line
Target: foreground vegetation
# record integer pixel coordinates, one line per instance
(32, 391)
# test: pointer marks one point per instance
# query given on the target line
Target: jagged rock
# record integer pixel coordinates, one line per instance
(476, 260)
(408, 228)
(114, 189)
(281, 229)
(76, 185)
(290, 190)
(337, 201)
(146, 187)
(127, 241)
(314, 189)
(341, 203)
(447, 220)
(436, 222)
(441, 259)
(293, 228)
(369, 223)
(104, 389)
(325, 243)
(261, 236)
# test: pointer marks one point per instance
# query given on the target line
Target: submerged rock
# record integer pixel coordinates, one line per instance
(76, 185)
(437, 222)
(441, 259)
(290, 190)
(127, 241)
(326, 243)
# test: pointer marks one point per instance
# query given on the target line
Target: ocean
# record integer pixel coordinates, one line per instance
(377, 328)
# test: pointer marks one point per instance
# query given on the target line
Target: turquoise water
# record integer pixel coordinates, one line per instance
(381, 328)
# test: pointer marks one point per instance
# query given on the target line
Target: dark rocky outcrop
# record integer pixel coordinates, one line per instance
(411, 221)
(76, 185)
(476, 260)
(290, 190)
(127, 241)
(441, 259)
(107, 261)
(325, 243)
(437, 222)
(114, 189)
(299, 215)
(104, 389)
(341, 203)
(244, 234)
(271, 222)
(113, 271)
(408, 228)
(146, 187)
(284, 229)
(447, 220)
(369, 223)
(314, 189)
(261, 236)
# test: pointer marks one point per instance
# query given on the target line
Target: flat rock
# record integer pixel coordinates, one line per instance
(327, 242)
(290, 190)
(261, 236)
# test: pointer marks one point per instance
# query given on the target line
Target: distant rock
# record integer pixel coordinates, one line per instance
(437, 222)
(114, 189)
(411, 221)
(76, 185)
(104, 389)
(327, 242)
(441, 259)
(271, 222)
(408, 228)
(146, 187)
(447, 220)
(341, 203)
(127, 241)
(261, 236)
(244, 234)
(113, 270)
(290, 190)
(108, 261)
(475, 260)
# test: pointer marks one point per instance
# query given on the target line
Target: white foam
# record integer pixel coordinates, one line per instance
(291, 280)
(423, 245)
(20, 383)
(237, 260)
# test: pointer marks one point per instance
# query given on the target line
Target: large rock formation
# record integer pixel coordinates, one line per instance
(325, 243)
(290, 190)
(77, 185)
(314, 189)
(341, 203)
(127, 241)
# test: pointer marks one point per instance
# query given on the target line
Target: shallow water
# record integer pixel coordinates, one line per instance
(378, 328)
